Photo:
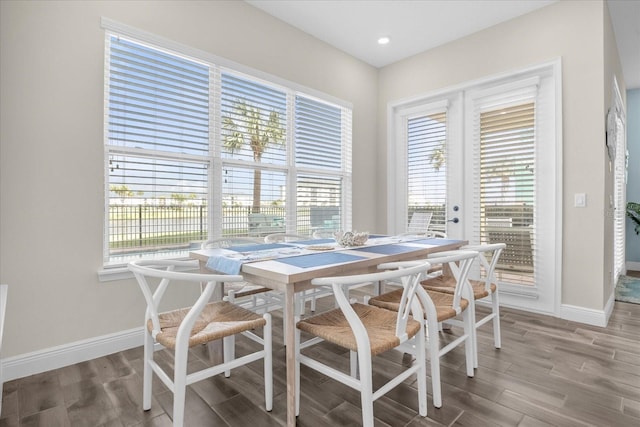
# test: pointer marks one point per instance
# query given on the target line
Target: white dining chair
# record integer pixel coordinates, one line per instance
(254, 297)
(204, 322)
(439, 307)
(484, 287)
(324, 234)
(4, 289)
(367, 331)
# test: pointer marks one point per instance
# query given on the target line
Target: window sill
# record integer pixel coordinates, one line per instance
(110, 273)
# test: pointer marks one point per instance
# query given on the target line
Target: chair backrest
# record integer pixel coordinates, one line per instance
(324, 234)
(283, 237)
(165, 270)
(459, 263)
(419, 222)
(226, 242)
(410, 279)
(488, 256)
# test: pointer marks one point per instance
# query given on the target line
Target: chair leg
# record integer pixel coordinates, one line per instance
(353, 362)
(366, 388)
(313, 302)
(179, 386)
(473, 336)
(147, 371)
(434, 355)
(469, 330)
(268, 363)
(229, 351)
(297, 369)
(421, 358)
(497, 338)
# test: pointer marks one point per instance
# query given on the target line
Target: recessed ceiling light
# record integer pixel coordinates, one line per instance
(384, 40)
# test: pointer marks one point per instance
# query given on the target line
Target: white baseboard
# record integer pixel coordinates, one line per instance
(588, 315)
(80, 351)
(633, 265)
(58, 357)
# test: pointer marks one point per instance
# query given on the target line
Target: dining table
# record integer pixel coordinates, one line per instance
(289, 267)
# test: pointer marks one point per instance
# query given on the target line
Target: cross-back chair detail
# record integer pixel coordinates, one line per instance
(438, 307)
(480, 289)
(203, 322)
(368, 331)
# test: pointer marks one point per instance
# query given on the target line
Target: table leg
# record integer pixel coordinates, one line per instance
(291, 355)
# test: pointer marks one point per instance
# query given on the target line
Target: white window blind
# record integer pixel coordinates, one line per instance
(427, 168)
(319, 134)
(158, 145)
(254, 120)
(619, 190)
(505, 137)
(195, 151)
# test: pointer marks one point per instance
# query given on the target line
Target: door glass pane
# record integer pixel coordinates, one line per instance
(507, 191)
(426, 172)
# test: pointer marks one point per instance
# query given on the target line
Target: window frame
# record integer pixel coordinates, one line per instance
(216, 160)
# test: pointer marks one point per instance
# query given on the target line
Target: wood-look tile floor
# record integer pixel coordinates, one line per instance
(549, 372)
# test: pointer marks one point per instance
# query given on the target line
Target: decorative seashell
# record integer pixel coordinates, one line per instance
(351, 238)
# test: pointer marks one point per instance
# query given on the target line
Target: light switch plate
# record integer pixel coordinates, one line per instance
(580, 200)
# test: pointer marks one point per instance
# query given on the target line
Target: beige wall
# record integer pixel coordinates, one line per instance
(573, 31)
(51, 152)
(51, 137)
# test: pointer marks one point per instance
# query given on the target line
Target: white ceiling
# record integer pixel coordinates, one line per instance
(415, 26)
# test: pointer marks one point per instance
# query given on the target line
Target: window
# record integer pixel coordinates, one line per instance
(194, 149)
(427, 168)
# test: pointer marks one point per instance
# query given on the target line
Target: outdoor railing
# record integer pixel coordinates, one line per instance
(141, 228)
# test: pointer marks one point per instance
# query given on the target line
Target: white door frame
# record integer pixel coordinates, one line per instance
(544, 300)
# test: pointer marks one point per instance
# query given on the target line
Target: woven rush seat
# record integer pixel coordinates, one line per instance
(447, 284)
(218, 320)
(380, 324)
(243, 289)
(203, 322)
(367, 331)
(439, 307)
(442, 301)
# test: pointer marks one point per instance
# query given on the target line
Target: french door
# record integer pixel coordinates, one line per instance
(482, 160)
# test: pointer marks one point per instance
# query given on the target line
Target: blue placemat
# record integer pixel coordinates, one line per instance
(316, 260)
(258, 247)
(313, 241)
(385, 249)
(438, 242)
